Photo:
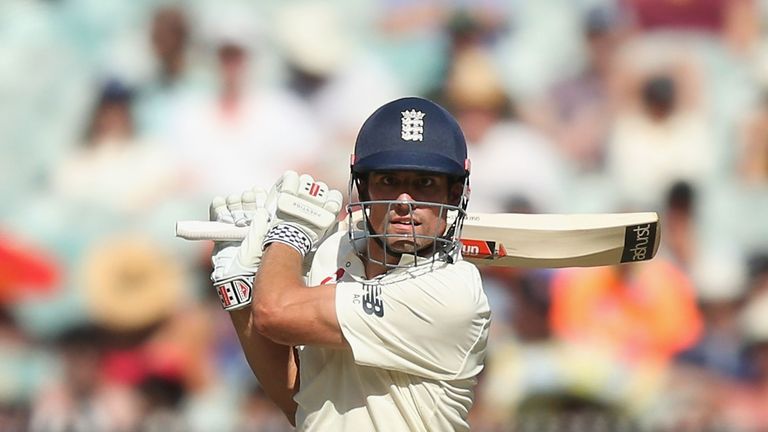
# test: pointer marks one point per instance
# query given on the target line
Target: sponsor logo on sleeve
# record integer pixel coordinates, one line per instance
(372, 304)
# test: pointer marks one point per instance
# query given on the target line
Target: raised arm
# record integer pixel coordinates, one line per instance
(280, 311)
(284, 308)
(234, 266)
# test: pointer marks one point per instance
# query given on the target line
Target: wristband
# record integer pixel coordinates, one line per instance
(290, 235)
(235, 292)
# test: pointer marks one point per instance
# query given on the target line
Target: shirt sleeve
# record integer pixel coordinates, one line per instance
(434, 325)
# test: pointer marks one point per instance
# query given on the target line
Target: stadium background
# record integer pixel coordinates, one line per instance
(120, 117)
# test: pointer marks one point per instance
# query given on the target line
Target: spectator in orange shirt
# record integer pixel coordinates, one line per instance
(645, 312)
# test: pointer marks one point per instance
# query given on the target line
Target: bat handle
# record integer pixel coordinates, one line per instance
(208, 230)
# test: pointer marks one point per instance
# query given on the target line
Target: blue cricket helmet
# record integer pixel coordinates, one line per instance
(411, 133)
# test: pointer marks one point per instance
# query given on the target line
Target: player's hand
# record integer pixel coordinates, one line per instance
(235, 263)
(303, 210)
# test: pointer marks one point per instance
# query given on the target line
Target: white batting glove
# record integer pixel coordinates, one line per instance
(235, 263)
(303, 211)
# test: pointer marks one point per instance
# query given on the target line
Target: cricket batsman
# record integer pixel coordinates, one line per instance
(375, 323)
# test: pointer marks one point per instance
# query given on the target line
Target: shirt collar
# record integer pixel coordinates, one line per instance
(408, 263)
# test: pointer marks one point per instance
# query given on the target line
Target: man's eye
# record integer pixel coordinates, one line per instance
(426, 181)
(388, 181)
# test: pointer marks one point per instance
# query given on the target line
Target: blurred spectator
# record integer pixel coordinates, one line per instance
(170, 35)
(757, 270)
(662, 132)
(679, 223)
(259, 414)
(25, 270)
(735, 21)
(467, 30)
(471, 83)
(45, 83)
(409, 33)
(241, 135)
(577, 111)
(101, 174)
(161, 404)
(332, 73)
(23, 367)
(81, 399)
(644, 312)
(720, 280)
(543, 44)
(500, 284)
(129, 282)
(536, 381)
(743, 404)
(27, 274)
(182, 348)
(752, 153)
(509, 159)
(709, 386)
(177, 76)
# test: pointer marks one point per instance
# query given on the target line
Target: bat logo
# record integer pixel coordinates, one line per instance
(639, 242)
(372, 304)
(470, 249)
(482, 249)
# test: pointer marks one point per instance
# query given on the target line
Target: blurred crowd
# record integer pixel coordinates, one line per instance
(120, 117)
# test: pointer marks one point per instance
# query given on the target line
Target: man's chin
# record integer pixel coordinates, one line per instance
(406, 247)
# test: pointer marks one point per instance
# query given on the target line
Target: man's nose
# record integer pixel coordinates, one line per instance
(404, 204)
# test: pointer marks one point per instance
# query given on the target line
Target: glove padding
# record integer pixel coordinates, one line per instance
(235, 263)
(303, 210)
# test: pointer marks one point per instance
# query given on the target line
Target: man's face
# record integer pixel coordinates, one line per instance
(408, 219)
(232, 64)
(169, 33)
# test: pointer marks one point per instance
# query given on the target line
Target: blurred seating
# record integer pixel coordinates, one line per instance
(122, 117)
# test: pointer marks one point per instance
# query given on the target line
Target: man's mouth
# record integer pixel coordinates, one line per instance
(404, 222)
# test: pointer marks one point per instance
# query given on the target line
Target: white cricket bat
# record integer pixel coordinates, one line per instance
(523, 240)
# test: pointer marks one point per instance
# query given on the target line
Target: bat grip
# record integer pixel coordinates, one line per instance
(208, 230)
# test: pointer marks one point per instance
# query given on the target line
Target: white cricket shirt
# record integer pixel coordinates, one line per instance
(418, 339)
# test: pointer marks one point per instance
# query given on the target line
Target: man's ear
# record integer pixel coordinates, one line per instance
(454, 194)
(362, 188)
